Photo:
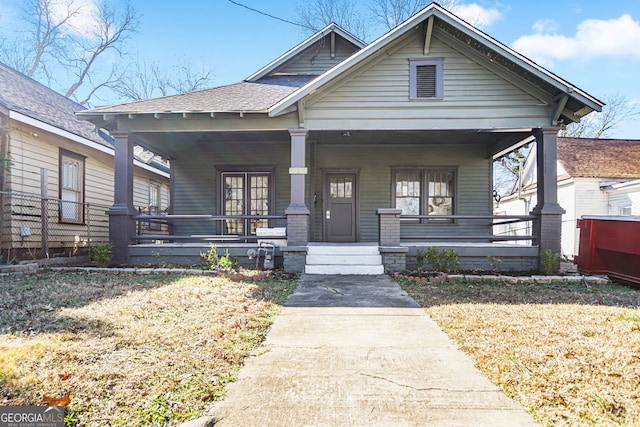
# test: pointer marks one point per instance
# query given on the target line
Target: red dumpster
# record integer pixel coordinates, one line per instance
(610, 245)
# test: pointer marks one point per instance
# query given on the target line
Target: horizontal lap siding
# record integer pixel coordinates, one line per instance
(317, 58)
(377, 96)
(196, 185)
(29, 154)
(375, 163)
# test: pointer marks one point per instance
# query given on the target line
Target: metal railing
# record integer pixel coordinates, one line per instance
(169, 222)
(33, 227)
(492, 221)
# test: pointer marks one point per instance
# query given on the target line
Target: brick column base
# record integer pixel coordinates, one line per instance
(295, 258)
(550, 235)
(394, 259)
(121, 229)
(389, 227)
(297, 226)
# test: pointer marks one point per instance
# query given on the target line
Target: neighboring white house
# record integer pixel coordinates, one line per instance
(595, 177)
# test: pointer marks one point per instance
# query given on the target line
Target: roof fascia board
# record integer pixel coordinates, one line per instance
(60, 132)
(151, 168)
(522, 60)
(627, 185)
(76, 138)
(512, 78)
(438, 11)
(304, 45)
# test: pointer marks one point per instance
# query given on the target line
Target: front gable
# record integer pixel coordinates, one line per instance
(377, 93)
(529, 94)
(314, 56)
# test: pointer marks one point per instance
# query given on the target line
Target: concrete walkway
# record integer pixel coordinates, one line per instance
(356, 351)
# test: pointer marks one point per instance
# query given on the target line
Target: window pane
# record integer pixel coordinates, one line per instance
(234, 203)
(70, 174)
(259, 200)
(440, 198)
(246, 193)
(71, 189)
(408, 192)
(154, 191)
(341, 187)
(69, 207)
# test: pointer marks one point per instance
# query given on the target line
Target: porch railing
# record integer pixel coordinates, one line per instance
(170, 220)
(521, 233)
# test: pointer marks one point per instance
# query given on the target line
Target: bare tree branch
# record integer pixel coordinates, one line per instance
(598, 125)
(110, 33)
(316, 14)
(144, 81)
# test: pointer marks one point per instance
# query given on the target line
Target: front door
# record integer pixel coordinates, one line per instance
(340, 207)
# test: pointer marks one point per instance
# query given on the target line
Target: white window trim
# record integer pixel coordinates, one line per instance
(413, 88)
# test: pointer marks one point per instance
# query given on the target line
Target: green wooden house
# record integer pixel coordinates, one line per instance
(387, 147)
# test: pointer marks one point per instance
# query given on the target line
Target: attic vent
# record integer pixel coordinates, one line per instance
(425, 79)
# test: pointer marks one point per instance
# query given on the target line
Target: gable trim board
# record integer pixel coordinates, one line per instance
(76, 138)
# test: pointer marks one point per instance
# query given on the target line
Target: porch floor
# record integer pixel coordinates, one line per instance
(486, 256)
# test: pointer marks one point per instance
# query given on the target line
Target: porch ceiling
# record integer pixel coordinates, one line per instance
(173, 143)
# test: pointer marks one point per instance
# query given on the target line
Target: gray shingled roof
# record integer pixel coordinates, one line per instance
(24, 95)
(244, 96)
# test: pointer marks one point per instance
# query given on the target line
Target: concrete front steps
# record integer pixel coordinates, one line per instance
(344, 258)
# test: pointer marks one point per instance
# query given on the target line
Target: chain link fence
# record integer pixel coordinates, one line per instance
(33, 227)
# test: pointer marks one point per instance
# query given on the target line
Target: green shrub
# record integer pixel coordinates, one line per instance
(550, 261)
(494, 262)
(101, 254)
(212, 261)
(228, 262)
(445, 261)
(210, 258)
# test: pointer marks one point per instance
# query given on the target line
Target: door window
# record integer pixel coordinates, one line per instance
(245, 193)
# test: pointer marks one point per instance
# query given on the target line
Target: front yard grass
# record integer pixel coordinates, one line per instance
(130, 349)
(568, 353)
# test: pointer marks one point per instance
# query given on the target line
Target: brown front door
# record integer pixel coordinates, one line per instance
(340, 197)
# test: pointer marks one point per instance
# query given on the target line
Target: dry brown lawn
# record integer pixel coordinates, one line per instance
(129, 349)
(568, 353)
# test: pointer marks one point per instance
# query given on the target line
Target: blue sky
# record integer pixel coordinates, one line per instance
(591, 43)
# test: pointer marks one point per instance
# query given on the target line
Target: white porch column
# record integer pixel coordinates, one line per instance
(549, 224)
(297, 212)
(121, 226)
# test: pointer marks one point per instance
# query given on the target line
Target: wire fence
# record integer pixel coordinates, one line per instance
(34, 227)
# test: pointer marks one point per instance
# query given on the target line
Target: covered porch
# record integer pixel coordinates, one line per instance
(308, 178)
